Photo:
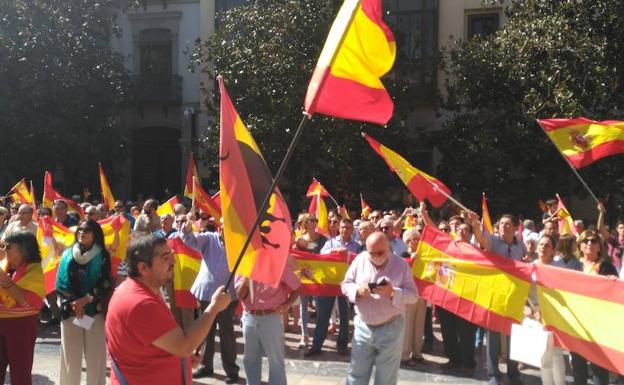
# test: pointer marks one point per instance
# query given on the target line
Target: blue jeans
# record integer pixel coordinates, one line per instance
(379, 346)
(324, 307)
(303, 313)
(493, 351)
(264, 335)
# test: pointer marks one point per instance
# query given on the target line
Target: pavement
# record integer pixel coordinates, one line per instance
(329, 368)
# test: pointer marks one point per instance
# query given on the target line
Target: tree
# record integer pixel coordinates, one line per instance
(61, 87)
(266, 52)
(552, 59)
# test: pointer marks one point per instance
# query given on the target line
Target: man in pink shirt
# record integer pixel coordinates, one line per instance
(263, 331)
(380, 284)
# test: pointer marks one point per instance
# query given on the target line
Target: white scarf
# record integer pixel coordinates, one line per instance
(85, 258)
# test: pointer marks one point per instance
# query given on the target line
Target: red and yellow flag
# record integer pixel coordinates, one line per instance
(481, 287)
(321, 274)
(187, 263)
(53, 239)
(107, 194)
(34, 202)
(419, 183)
(359, 50)
(566, 222)
(318, 208)
(245, 180)
(191, 172)
(116, 231)
(366, 210)
(583, 311)
(343, 212)
(204, 202)
(50, 195)
(485, 216)
(315, 188)
(582, 141)
(21, 193)
(167, 207)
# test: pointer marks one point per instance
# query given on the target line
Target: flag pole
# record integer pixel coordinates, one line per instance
(570, 164)
(265, 203)
(449, 197)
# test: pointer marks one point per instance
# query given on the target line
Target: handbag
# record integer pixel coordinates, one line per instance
(529, 342)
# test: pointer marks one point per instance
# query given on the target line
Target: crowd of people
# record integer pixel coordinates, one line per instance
(129, 317)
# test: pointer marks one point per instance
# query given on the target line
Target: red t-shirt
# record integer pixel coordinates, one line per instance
(136, 317)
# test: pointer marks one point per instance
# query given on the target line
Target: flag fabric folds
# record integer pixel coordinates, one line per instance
(318, 208)
(419, 183)
(321, 274)
(21, 193)
(481, 287)
(582, 141)
(359, 50)
(485, 216)
(107, 195)
(50, 195)
(53, 239)
(167, 207)
(190, 173)
(116, 231)
(366, 210)
(204, 202)
(315, 188)
(566, 222)
(185, 270)
(582, 312)
(245, 180)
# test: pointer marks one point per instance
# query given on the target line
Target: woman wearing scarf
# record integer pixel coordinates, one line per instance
(84, 284)
(21, 297)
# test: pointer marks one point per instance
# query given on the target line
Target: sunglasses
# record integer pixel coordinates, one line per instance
(85, 230)
(591, 240)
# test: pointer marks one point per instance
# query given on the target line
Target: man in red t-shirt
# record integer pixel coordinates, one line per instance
(145, 344)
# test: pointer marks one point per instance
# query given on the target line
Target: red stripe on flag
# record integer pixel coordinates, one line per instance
(600, 151)
(325, 290)
(556, 124)
(332, 257)
(372, 9)
(184, 299)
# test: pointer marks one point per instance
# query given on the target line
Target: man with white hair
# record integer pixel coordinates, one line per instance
(23, 223)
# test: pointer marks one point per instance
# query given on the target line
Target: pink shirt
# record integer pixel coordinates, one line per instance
(266, 297)
(376, 310)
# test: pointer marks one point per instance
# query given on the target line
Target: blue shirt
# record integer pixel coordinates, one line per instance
(337, 243)
(214, 270)
(515, 250)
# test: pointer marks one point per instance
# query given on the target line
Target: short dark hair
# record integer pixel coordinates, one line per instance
(141, 249)
(508, 216)
(27, 244)
(456, 218)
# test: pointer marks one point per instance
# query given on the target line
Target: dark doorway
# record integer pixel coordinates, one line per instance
(156, 162)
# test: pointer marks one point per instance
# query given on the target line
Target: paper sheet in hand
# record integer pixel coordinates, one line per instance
(85, 322)
(528, 344)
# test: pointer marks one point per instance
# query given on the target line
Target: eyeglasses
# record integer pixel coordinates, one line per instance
(380, 253)
(333, 221)
(85, 230)
(591, 240)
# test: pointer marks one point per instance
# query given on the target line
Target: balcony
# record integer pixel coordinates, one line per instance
(157, 89)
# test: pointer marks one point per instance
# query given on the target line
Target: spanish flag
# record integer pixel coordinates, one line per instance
(485, 216)
(107, 194)
(167, 207)
(318, 208)
(583, 312)
(34, 202)
(185, 269)
(116, 231)
(566, 222)
(53, 238)
(245, 180)
(204, 202)
(321, 274)
(359, 50)
(483, 288)
(21, 193)
(582, 141)
(419, 183)
(190, 173)
(315, 188)
(366, 210)
(50, 195)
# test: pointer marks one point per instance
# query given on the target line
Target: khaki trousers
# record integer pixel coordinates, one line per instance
(76, 342)
(414, 329)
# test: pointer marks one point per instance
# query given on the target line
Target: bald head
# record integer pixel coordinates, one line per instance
(366, 228)
(378, 248)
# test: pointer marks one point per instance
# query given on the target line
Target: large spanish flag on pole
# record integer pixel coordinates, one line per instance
(185, 269)
(584, 312)
(483, 288)
(50, 195)
(359, 50)
(321, 274)
(21, 193)
(107, 194)
(419, 183)
(53, 238)
(190, 173)
(204, 202)
(582, 141)
(245, 181)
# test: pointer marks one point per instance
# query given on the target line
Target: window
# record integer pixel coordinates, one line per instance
(414, 24)
(224, 5)
(155, 52)
(482, 24)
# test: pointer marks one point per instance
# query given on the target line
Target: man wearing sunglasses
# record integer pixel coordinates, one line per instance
(396, 243)
(380, 284)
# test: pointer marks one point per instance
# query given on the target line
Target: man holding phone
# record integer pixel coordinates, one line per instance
(380, 284)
